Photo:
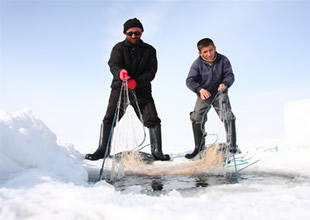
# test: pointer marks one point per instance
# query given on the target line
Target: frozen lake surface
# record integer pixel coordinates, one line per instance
(42, 179)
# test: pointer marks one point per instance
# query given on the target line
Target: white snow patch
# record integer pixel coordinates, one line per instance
(297, 122)
(28, 147)
(43, 179)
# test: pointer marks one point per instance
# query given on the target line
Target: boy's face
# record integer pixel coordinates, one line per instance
(208, 53)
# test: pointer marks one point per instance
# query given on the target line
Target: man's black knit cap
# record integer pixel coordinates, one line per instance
(134, 22)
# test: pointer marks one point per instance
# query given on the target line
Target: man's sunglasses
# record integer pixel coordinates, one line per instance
(137, 33)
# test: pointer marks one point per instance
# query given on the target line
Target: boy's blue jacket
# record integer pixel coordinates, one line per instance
(202, 75)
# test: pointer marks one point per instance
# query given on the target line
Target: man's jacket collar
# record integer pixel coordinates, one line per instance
(128, 44)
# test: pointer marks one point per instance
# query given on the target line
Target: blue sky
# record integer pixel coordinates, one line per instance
(53, 60)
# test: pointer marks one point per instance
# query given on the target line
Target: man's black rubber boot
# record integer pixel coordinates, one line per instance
(156, 145)
(103, 140)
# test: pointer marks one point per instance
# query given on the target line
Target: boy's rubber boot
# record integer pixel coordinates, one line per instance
(103, 140)
(233, 147)
(199, 140)
(156, 145)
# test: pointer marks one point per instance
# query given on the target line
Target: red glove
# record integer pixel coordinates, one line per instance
(132, 84)
(123, 75)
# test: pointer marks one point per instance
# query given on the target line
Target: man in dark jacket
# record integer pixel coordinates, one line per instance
(134, 64)
(210, 73)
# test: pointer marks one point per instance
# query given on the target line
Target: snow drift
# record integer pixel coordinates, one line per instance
(297, 122)
(28, 146)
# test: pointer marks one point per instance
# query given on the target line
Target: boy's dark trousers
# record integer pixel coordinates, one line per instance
(199, 116)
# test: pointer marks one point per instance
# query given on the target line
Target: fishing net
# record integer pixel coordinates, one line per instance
(130, 152)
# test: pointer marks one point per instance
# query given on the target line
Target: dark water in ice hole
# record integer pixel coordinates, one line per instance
(160, 185)
(194, 183)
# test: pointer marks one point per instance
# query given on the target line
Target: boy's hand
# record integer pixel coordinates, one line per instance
(204, 94)
(221, 88)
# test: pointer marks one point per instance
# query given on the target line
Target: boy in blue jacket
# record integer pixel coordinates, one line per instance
(210, 74)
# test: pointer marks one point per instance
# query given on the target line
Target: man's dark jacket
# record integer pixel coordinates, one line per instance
(141, 63)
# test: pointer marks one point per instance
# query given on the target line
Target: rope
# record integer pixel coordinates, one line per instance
(243, 161)
(248, 165)
(114, 119)
(230, 138)
(141, 119)
(205, 112)
(110, 135)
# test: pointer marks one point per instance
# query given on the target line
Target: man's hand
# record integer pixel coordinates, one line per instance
(222, 87)
(132, 84)
(123, 75)
(204, 94)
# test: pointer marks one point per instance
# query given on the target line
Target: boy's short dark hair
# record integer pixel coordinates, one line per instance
(205, 42)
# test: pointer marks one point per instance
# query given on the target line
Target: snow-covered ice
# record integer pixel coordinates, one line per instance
(41, 178)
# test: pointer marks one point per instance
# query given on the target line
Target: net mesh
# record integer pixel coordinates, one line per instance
(131, 155)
